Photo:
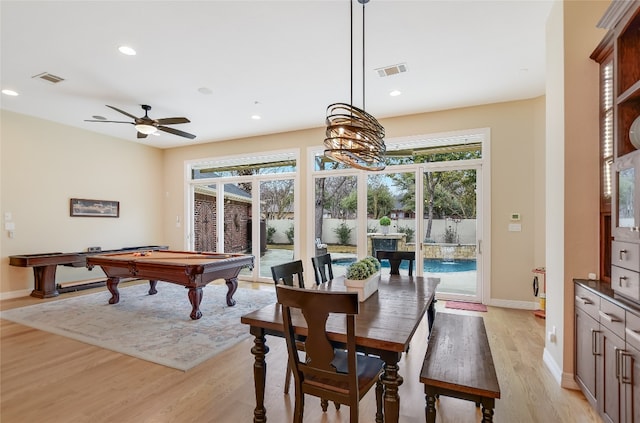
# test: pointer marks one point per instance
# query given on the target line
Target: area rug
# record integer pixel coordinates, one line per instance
(461, 305)
(155, 328)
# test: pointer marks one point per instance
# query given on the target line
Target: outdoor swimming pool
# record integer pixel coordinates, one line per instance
(430, 265)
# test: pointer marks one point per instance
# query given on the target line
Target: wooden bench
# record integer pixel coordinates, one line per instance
(458, 364)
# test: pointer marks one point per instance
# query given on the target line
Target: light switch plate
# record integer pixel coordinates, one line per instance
(515, 227)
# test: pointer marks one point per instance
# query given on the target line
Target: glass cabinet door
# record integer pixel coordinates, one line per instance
(626, 197)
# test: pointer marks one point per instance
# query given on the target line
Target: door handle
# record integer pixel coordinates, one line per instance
(582, 300)
(635, 334)
(620, 279)
(621, 253)
(624, 378)
(594, 342)
(608, 317)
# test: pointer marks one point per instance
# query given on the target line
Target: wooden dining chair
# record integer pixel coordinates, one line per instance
(286, 273)
(322, 269)
(333, 374)
(395, 259)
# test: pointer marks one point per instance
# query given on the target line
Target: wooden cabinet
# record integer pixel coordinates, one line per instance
(612, 325)
(607, 353)
(623, 18)
(630, 368)
(587, 329)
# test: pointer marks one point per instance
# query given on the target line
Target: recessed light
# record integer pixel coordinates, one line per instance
(205, 90)
(127, 50)
(256, 117)
(395, 93)
(9, 92)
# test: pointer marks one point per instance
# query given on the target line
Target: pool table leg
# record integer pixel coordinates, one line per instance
(195, 297)
(232, 285)
(112, 286)
(152, 287)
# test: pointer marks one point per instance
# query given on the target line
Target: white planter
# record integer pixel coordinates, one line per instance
(365, 287)
(384, 229)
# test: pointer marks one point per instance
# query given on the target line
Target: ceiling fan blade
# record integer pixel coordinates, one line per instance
(172, 121)
(123, 112)
(141, 135)
(176, 132)
(108, 121)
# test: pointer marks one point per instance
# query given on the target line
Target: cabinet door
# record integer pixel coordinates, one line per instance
(609, 397)
(631, 383)
(625, 205)
(585, 354)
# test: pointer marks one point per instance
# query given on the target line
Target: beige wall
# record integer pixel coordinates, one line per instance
(517, 133)
(64, 162)
(44, 165)
(581, 158)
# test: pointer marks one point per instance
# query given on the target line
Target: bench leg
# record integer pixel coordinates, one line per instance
(430, 409)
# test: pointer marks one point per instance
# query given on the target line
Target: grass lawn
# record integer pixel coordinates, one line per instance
(331, 248)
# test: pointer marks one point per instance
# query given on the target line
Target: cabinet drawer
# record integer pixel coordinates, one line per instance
(587, 301)
(625, 254)
(625, 282)
(632, 330)
(612, 317)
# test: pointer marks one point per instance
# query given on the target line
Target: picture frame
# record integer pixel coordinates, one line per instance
(82, 207)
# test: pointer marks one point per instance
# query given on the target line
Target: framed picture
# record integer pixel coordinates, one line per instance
(94, 208)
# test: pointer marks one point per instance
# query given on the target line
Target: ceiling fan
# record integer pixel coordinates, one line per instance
(145, 125)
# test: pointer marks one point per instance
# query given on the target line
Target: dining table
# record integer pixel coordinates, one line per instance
(385, 325)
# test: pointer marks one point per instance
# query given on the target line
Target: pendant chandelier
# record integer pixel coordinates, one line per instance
(353, 136)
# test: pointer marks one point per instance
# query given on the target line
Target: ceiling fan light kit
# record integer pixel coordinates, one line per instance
(353, 136)
(146, 129)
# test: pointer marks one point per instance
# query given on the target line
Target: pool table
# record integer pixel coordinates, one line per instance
(45, 265)
(190, 269)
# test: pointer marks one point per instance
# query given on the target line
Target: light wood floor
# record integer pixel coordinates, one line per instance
(50, 378)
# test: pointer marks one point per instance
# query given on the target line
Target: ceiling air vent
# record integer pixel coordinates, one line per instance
(46, 76)
(392, 70)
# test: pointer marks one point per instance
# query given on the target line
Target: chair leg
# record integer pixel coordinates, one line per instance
(287, 380)
(379, 390)
(324, 404)
(298, 410)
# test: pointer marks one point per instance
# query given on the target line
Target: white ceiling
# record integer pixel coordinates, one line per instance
(291, 57)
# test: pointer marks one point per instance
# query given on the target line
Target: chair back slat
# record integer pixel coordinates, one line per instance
(287, 273)
(322, 269)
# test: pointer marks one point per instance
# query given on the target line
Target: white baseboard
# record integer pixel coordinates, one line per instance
(553, 367)
(14, 294)
(523, 305)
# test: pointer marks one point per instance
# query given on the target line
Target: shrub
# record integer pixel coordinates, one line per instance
(289, 234)
(385, 221)
(270, 232)
(344, 233)
(407, 231)
(450, 236)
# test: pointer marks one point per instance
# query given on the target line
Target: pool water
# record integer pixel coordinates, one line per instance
(430, 265)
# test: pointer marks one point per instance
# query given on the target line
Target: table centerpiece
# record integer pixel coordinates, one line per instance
(363, 277)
